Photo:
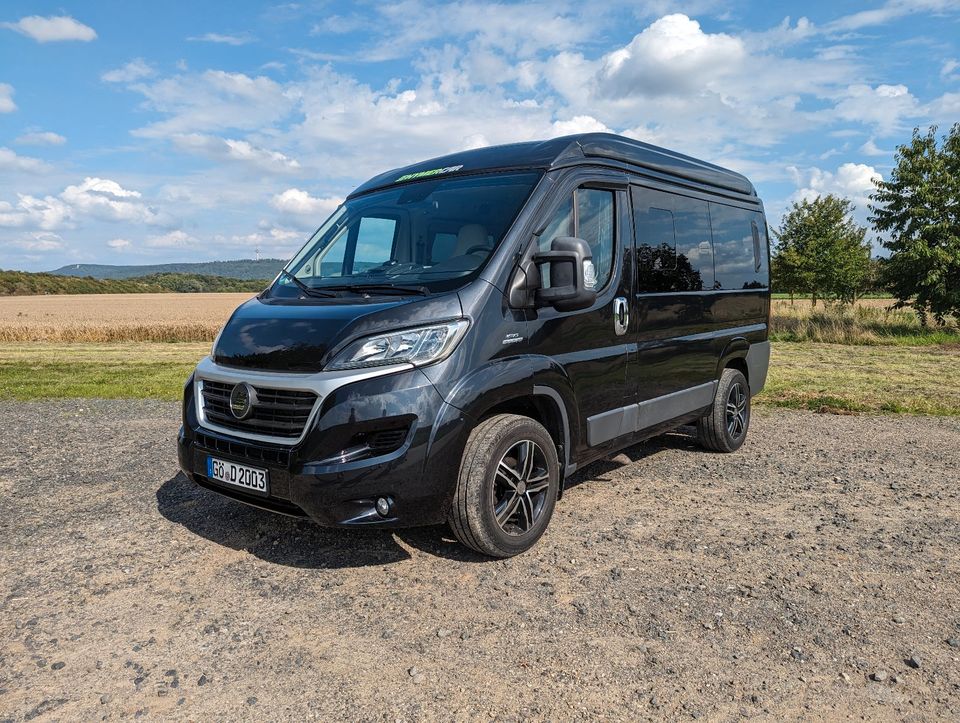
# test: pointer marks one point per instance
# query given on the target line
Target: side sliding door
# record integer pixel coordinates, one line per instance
(677, 359)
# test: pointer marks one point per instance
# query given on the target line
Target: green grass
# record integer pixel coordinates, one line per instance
(107, 371)
(819, 377)
(871, 322)
(875, 379)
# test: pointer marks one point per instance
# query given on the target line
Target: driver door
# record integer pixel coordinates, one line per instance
(592, 344)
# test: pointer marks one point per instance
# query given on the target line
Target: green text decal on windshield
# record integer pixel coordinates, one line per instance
(431, 172)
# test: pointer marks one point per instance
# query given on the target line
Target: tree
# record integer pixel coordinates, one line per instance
(821, 251)
(919, 207)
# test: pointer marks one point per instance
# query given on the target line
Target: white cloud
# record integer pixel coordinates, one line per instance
(579, 124)
(886, 106)
(52, 29)
(339, 25)
(888, 12)
(282, 239)
(214, 100)
(229, 149)
(944, 110)
(108, 200)
(46, 213)
(136, 69)
(671, 56)
(300, 203)
(119, 244)
(870, 148)
(10, 161)
(41, 138)
(242, 39)
(96, 198)
(674, 84)
(851, 180)
(170, 240)
(400, 28)
(948, 68)
(6, 98)
(36, 241)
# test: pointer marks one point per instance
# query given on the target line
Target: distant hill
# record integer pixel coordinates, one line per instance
(23, 283)
(249, 269)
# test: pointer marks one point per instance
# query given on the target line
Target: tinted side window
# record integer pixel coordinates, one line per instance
(656, 249)
(674, 251)
(739, 246)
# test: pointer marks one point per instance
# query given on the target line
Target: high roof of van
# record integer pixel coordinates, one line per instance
(593, 148)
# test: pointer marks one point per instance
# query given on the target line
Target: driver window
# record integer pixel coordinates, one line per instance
(561, 224)
(589, 215)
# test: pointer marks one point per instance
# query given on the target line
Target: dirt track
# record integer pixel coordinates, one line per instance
(672, 583)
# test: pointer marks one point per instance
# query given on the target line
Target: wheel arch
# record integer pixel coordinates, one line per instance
(533, 386)
(735, 355)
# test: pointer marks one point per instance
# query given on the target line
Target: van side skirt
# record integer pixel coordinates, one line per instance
(636, 417)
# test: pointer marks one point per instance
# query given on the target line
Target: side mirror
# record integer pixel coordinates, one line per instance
(571, 273)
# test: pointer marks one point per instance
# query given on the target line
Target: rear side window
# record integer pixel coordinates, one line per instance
(739, 246)
(674, 250)
(659, 249)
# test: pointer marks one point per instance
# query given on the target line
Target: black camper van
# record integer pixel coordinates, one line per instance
(464, 333)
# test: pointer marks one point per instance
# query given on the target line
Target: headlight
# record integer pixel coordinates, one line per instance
(419, 346)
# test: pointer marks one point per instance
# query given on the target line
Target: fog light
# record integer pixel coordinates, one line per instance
(383, 506)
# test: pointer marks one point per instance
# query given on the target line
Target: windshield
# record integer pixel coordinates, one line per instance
(431, 235)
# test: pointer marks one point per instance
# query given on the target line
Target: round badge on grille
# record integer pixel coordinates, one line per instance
(242, 399)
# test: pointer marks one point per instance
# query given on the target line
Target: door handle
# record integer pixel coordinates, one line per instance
(621, 315)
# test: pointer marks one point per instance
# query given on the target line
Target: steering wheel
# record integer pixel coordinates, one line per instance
(475, 249)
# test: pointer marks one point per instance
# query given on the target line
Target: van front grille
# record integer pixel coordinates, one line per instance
(276, 413)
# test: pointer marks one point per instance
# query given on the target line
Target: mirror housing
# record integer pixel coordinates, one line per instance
(572, 275)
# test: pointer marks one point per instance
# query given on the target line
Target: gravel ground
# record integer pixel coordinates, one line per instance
(812, 574)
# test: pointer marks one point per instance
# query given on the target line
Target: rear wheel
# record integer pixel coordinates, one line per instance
(724, 427)
(507, 487)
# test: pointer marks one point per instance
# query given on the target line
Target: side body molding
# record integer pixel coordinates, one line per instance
(635, 417)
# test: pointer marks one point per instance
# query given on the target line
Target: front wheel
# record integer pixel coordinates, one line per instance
(507, 487)
(724, 427)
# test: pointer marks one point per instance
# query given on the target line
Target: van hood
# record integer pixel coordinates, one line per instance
(272, 335)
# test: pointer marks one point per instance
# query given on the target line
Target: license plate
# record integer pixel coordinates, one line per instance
(238, 475)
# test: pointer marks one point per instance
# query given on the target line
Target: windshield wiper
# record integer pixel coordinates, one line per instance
(391, 288)
(308, 290)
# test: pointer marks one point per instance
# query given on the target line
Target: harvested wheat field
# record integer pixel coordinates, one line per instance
(115, 317)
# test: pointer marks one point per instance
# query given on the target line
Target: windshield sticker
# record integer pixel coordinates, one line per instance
(426, 174)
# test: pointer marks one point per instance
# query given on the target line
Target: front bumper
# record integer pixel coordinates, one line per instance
(312, 477)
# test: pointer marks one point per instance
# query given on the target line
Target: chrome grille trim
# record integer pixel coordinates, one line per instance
(322, 384)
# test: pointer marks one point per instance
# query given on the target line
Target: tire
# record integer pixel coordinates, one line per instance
(724, 428)
(503, 504)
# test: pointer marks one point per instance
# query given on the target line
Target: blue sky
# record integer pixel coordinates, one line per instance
(152, 132)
